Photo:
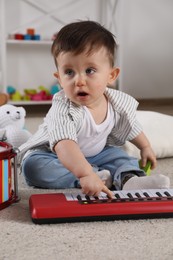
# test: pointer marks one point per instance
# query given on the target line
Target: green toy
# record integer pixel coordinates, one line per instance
(147, 168)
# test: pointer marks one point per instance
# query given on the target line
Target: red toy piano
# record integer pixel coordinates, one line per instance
(77, 207)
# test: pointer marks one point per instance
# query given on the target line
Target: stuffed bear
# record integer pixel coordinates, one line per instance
(12, 120)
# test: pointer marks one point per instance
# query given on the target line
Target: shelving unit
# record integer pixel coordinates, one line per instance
(25, 64)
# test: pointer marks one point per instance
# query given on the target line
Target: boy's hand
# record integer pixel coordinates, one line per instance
(92, 185)
(147, 154)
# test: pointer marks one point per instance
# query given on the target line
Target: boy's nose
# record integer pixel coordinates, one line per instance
(80, 80)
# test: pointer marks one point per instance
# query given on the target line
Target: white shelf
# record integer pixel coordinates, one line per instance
(28, 42)
(30, 102)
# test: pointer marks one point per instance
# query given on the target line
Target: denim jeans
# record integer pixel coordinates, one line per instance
(43, 169)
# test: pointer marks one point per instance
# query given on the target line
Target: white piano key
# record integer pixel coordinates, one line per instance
(103, 195)
(68, 196)
(100, 197)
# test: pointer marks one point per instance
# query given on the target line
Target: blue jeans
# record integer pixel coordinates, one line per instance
(44, 170)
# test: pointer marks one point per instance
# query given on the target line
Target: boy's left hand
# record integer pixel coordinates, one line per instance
(147, 154)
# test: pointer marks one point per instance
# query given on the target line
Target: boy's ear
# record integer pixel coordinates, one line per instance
(114, 75)
(56, 75)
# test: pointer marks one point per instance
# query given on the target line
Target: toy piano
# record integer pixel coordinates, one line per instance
(77, 207)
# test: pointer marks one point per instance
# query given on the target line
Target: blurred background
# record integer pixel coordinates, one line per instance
(143, 29)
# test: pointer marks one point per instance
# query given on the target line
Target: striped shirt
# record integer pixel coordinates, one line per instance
(64, 119)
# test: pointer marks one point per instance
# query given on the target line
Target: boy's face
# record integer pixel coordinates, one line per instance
(84, 77)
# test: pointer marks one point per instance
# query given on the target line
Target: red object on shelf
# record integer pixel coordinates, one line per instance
(42, 95)
(30, 31)
(19, 36)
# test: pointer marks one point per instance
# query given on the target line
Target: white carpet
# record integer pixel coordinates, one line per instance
(20, 239)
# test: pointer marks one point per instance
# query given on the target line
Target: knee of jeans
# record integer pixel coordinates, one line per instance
(28, 168)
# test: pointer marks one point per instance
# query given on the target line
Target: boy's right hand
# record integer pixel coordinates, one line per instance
(92, 185)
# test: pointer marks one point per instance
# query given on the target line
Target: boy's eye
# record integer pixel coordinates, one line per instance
(90, 71)
(69, 72)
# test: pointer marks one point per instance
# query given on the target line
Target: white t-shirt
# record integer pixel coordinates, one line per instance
(92, 138)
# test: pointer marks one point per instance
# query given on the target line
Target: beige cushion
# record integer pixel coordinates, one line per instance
(159, 130)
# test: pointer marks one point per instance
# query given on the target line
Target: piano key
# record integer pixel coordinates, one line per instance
(153, 193)
(79, 197)
(92, 198)
(128, 194)
(100, 197)
(159, 194)
(150, 193)
(83, 196)
(68, 196)
(103, 195)
(117, 196)
(76, 195)
(123, 194)
(156, 192)
(87, 197)
(135, 193)
(170, 191)
(165, 193)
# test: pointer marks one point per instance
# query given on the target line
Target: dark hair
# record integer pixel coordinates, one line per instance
(78, 36)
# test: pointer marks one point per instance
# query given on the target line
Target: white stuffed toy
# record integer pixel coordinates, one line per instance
(12, 121)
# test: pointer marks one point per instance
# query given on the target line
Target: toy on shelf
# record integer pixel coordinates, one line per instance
(54, 89)
(12, 121)
(14, 94)
(40, 94)
(3, 98)
(11, 90)
(30, 35)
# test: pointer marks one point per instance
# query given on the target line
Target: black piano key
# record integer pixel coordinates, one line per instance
(87, 197)
(130, 195)
(117, 196)
(139, 196)
(159, 194)
(79, 197)
(146, 194)
(167, 193)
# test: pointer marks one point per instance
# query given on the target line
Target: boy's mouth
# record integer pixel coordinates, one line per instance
(82, 94)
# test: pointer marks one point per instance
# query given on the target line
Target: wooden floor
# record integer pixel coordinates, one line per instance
(164, 106)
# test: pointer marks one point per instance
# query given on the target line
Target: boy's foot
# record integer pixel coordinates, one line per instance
(106, 177)
(157, 181)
